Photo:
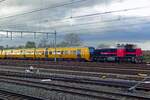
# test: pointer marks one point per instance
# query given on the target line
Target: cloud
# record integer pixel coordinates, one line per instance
(117, 26)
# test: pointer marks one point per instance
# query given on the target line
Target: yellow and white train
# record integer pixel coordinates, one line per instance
(71, 53)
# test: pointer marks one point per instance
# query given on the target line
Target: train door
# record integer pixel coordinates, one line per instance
(46, 53)
(78, 53)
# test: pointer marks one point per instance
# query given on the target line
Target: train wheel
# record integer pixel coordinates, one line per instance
(137, 60)
(105, 59)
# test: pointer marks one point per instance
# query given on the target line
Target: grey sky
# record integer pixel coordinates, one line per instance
(101, 21)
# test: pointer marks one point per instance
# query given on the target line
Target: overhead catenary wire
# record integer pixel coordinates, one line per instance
(75, 17)
(107, 27)
(103, 22)
(95, 22)
(41, 9)
(101, 13)
(108, 12)
(2, 1)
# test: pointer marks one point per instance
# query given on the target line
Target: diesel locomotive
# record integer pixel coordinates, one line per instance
(123, 53)
(127, 53)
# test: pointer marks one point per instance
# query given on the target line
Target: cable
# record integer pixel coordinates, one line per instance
(41, 9)
(25, 31)
(102, 13)
(108, 12)
(106, 27)
(89, 23)
(95, 22)
(2, 1)
(111, 12)
(102, 29)
(81, 16)
(102, 22)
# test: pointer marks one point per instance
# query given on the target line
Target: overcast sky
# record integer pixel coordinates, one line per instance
(96, 21)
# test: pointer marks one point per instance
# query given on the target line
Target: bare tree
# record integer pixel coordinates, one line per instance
(43, 42)
(103, 46)
(71, 40)
(30, 44)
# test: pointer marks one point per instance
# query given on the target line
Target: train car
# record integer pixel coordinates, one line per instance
(134, 55)
(121, 54)
(71, 53)
(29, 53)
(39, 53)
(10, 54)
(79, 53)
(131, 53)
(105, 54)
(2, 54)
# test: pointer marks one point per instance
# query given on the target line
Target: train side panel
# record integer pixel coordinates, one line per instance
(69, 53)
(29, 53)
(39, 53)
(2, 56)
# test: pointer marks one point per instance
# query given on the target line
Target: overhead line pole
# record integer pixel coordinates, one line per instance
(55, 59)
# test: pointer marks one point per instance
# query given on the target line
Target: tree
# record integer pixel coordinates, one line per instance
(62, 44)
(1, 47)
(71, 40)
(30, 44)
(44, 42)
(20, 46)
(103, 46)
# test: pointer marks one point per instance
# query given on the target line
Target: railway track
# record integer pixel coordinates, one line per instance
(72, 72)
(128, 73)
(69, 85)
(103, 69)
(5, 95)
(133, 69)
(70, 63)
(78, 75)
(74, 78)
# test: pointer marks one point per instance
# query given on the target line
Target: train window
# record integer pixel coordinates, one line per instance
(50, 52)
(58, 52)
(74, 52)
(78, 52)
(65, 52)
(71, 52)
(108, 50)
(91, 49)
(62, 52)
(130, 50)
